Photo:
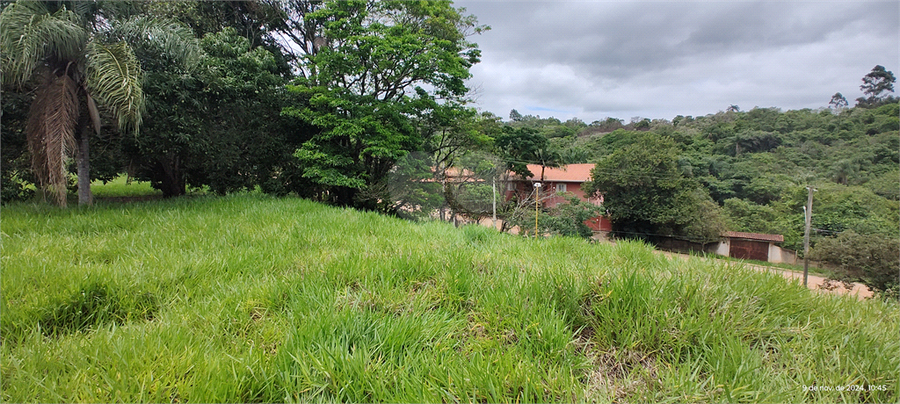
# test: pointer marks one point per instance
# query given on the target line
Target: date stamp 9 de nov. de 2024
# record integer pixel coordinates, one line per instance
(847, 387)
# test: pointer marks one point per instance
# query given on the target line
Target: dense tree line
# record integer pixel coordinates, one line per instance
(748, 171)
(693, 178)
(311, 97)
(200, 94)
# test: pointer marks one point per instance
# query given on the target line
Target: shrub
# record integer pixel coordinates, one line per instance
(870, 258)
(566, 219)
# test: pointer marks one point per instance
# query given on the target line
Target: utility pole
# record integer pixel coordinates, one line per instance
(807, 210)
(537, 197)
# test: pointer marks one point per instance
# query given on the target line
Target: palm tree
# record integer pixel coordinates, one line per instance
(76, 55)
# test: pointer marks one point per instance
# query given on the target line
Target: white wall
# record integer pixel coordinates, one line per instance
(776, 253)
(723, 248)
(780, 255)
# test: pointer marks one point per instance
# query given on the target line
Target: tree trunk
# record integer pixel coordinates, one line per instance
(172, 182)
(341, 196)
(83, 160)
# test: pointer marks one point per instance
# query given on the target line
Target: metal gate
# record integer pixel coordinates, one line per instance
(746, 249)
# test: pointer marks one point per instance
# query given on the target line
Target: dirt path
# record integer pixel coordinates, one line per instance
(814, 282)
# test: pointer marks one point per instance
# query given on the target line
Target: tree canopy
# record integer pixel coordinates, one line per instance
(876, 85)
(366, 85)
(877, 82)
(646, 194)
(215, 123)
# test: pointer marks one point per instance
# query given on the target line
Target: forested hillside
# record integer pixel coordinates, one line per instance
(757, 164)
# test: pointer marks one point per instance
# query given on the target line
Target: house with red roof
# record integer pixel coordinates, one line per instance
(560, 183)
(557, 185)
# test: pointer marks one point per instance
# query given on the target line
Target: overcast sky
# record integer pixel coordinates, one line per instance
(624, 59)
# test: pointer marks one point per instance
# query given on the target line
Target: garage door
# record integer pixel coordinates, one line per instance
(752, 250)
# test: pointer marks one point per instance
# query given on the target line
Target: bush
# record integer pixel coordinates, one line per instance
(566, 219)
(869, 258)
(14, 188)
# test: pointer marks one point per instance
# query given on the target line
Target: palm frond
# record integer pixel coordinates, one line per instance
(35, 130)
(93, 111)
(86, 9)
(21, 52)
(29, 36)
(114, 79)
(172, 40)
(51, 132)
(100, 13)
(64, 35)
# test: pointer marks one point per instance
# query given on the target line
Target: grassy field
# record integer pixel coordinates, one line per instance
(122, 188)
(249, 298)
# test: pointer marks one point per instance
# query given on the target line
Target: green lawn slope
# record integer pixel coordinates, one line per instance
(249, 298)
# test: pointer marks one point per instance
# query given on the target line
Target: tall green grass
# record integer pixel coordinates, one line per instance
(249, 298)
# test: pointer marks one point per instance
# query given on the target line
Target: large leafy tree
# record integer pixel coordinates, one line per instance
(260, 22)
(213, 120)
(60, 48)
(876, 84)
(214, 123)
(646, 193)
(366, 67)
(838, 102)
(878, 81)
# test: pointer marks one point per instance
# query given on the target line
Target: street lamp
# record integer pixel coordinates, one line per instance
(537, 197)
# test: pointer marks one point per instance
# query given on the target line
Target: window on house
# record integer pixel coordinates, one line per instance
(560, 187)
(510, 186)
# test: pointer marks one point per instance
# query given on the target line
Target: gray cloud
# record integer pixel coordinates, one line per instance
(660, 59)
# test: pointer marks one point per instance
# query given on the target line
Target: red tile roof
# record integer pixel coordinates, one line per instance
(778, 238)
(568, 173)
